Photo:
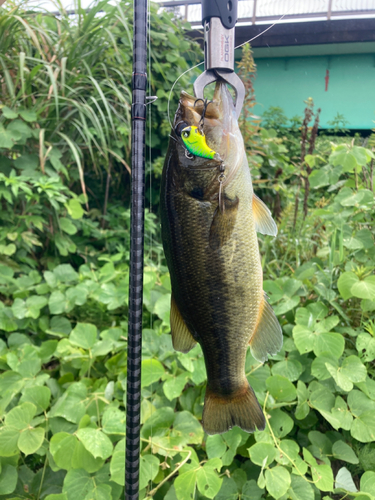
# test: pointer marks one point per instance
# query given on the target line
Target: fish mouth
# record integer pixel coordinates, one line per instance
(219, 122)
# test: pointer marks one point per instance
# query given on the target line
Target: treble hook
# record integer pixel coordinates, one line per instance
(206, 102)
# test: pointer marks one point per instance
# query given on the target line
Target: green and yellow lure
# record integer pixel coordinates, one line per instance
(195, 142)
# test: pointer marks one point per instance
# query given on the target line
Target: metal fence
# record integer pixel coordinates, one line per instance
(263, 11)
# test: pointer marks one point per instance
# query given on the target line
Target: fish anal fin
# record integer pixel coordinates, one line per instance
(267, 338)
(182, 339)
(223, 223)
(264, 222)
(221, 413)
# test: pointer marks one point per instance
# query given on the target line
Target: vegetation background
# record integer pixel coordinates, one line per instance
(64, 248)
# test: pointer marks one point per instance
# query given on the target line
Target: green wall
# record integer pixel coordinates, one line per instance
(286, 81)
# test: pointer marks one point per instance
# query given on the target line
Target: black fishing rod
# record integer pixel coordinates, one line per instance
(138, 115)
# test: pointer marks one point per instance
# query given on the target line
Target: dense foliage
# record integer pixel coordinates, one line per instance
(64, 147)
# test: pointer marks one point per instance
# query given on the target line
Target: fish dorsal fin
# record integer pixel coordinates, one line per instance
(264, 222)
(223, 223)
(182, 339)
(268, 336)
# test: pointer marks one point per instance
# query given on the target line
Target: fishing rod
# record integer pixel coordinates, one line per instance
(138, 116)
(218, 18)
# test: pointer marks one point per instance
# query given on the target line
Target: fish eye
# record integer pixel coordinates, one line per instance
(186, 134)
(179, 128)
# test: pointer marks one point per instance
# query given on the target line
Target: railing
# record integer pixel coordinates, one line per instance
(263, 11)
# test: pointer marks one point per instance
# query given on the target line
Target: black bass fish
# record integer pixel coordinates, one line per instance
(210, 216)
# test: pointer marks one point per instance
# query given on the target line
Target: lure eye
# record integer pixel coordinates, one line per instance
(186, 134)
(179, 128)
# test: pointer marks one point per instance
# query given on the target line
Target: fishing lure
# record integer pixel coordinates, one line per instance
(195, 142)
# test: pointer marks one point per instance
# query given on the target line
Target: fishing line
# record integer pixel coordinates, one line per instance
(200, 64)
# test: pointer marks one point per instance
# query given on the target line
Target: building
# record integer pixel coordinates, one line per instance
(324, 49)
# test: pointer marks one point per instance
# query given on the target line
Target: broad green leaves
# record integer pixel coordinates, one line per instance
(19, 433)
(350, 285)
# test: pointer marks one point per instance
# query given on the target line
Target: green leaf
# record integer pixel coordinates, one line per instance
(341, 413)
(71, 404)
(117, 466)
(96, 442)
(359, 403)
(364, 289)
(208, 481)
(321, 441)
(8, 137)
(8, 479)
(277, 481)
(281, 388)
(366, 347)
(59, 496)
(8, 441)
(11, 115)
(74, 208)
(345, 283)
(159, 423)
(303, 408)
(261, 453)
(289, 451)
(174, 386)
(152, 371)
(251, 491)
(304, 339)
(215, 446)
(56, 302)
(300, 489)
(188, 428)
(368, 483)
(228, 490)
(339, 377)
(363, 427)
(163, 307)
(84, 335)
(289, 368)
(83, 459)
(28, 115)
(345, 481)
(185, 485)
(323, 477)
(113, 421)
(62, 446)
(31, 440)
(79, 484)
(334, 343)
(149, 467)
(318, 367)
(353, 368)
(343, 451)
(280, 422)
(20, 417)
(65, 273)
(67, 226)
(39, 396)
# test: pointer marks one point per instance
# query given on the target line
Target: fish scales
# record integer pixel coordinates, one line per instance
(214, 262)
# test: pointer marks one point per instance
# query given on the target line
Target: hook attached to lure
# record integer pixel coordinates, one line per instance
(195, 143)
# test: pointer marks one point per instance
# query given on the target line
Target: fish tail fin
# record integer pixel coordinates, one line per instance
(221, 413)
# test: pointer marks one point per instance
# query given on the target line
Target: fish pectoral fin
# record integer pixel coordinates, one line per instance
(221, 413)
(264, 222)
(268, 336)
(182, 339)
(223, 223)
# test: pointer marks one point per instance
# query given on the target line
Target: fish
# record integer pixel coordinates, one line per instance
(210, 217)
